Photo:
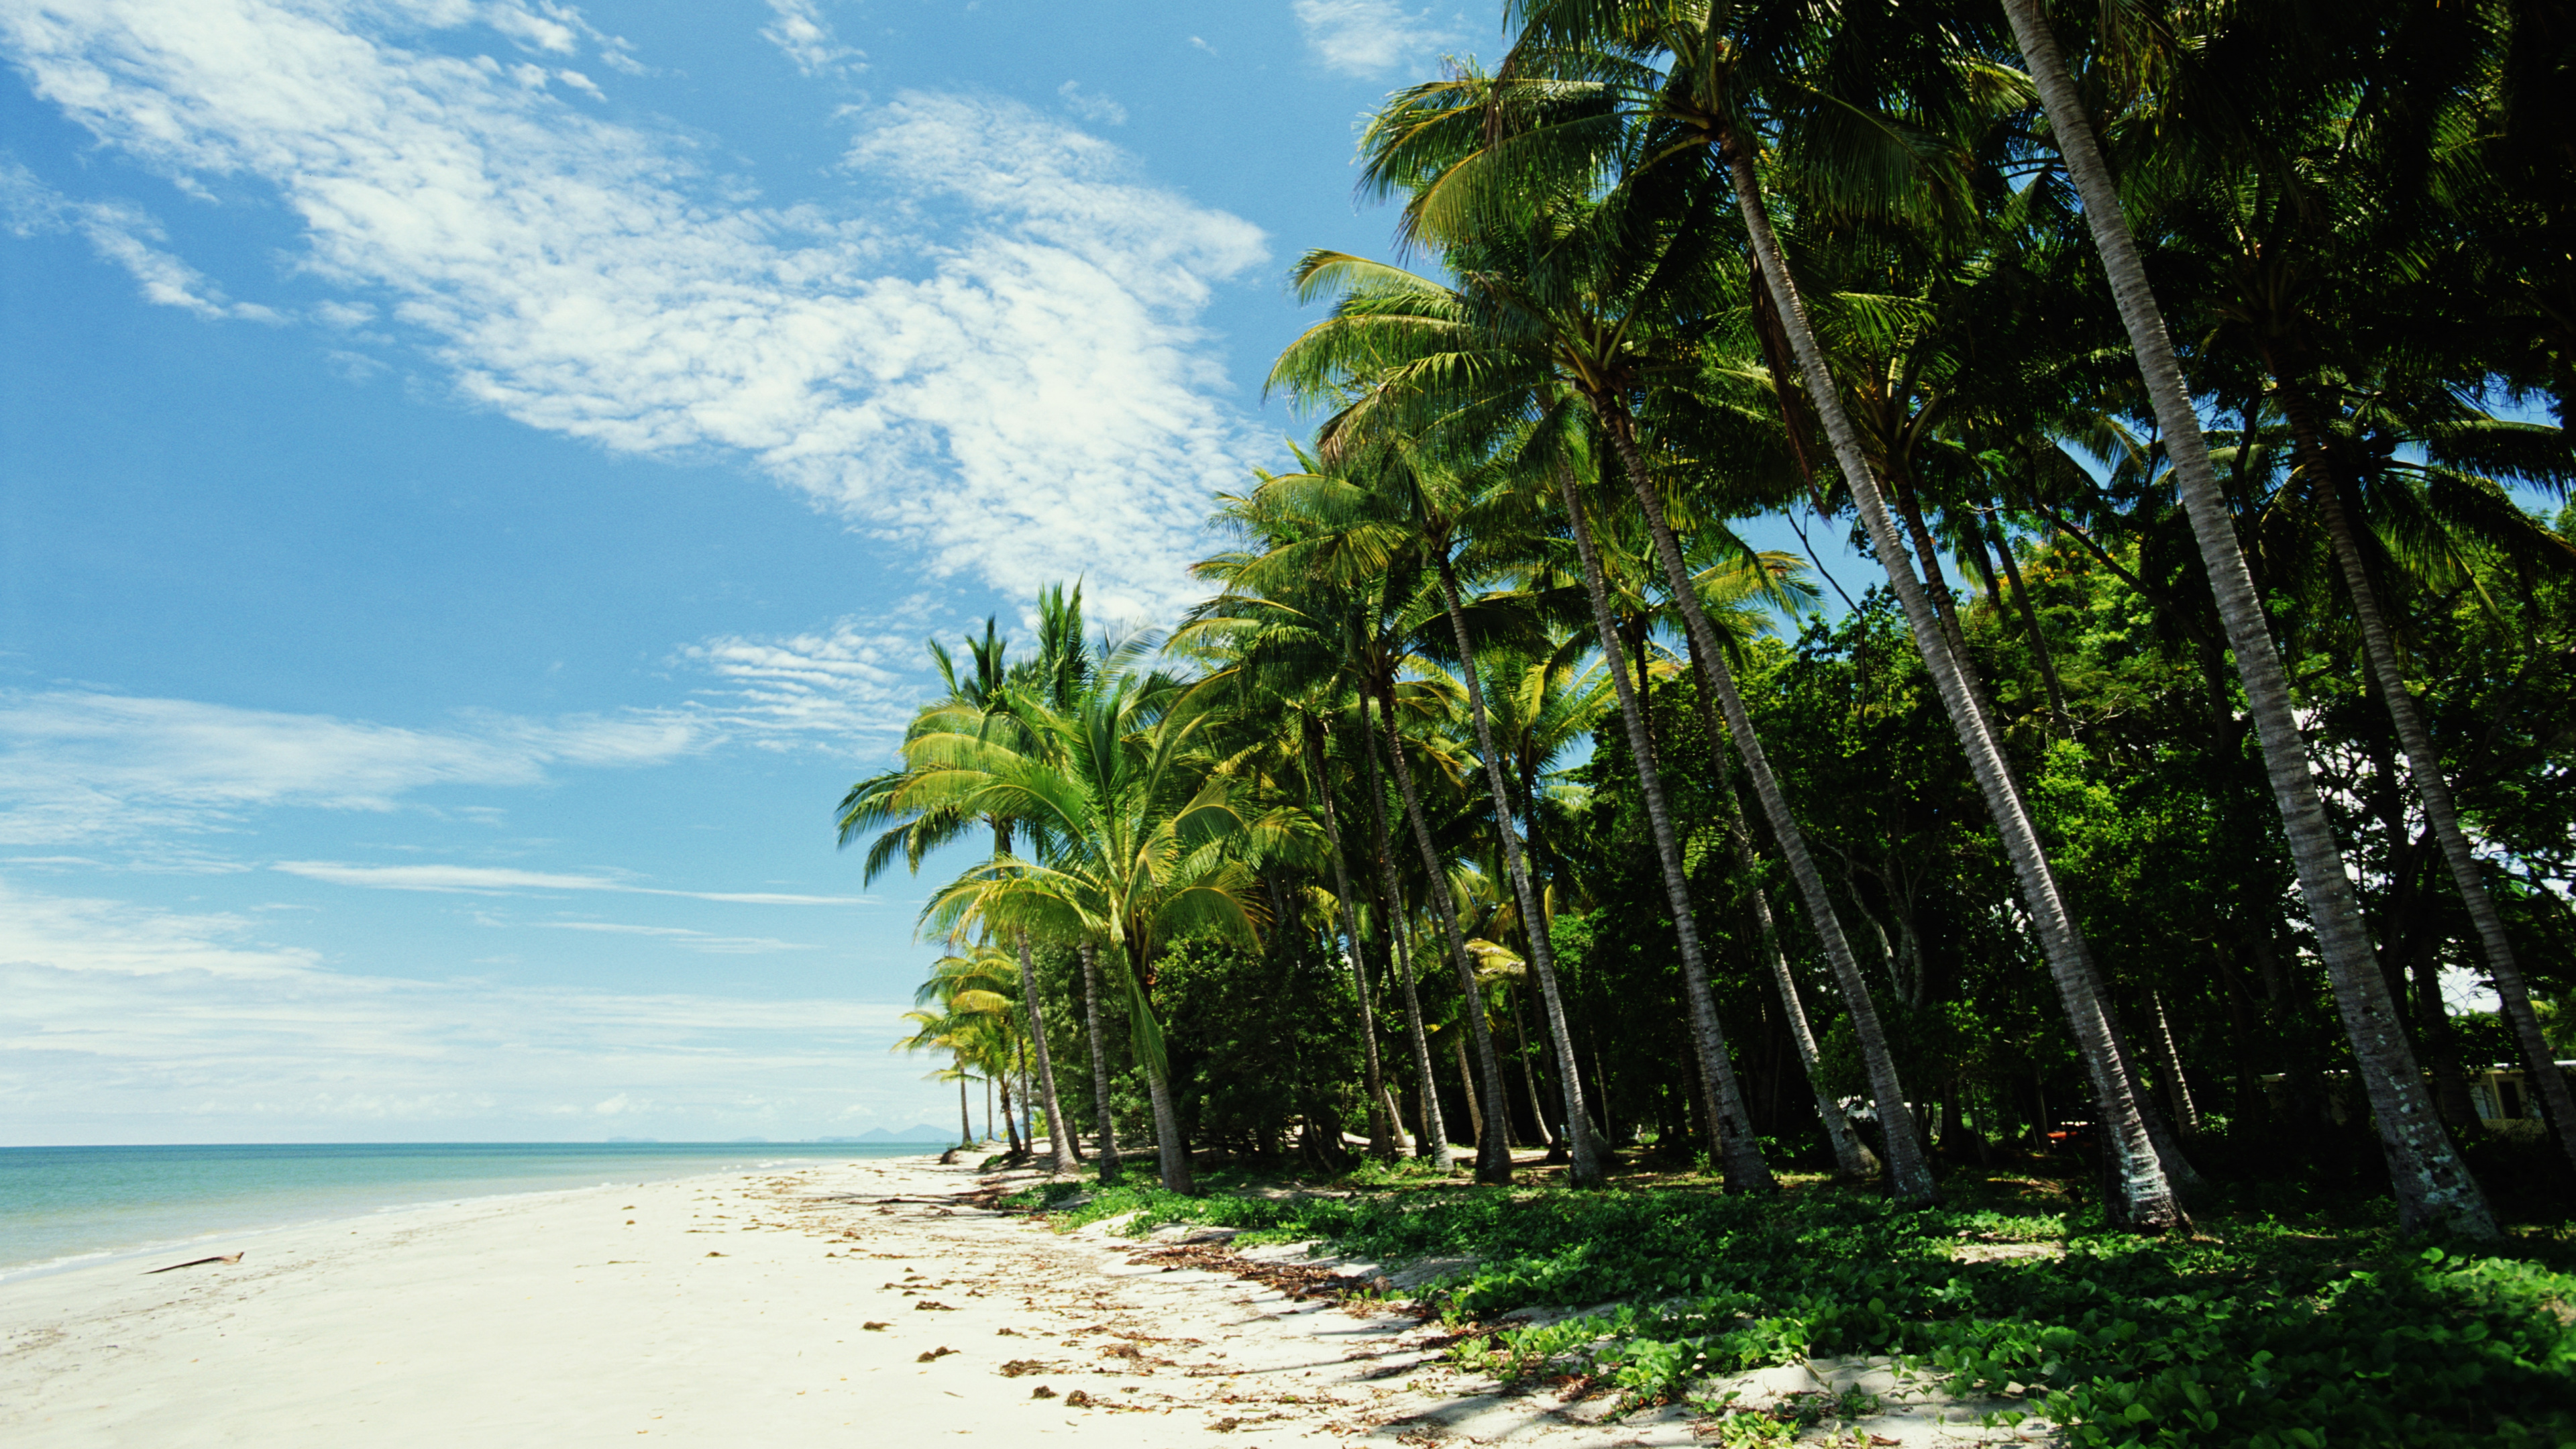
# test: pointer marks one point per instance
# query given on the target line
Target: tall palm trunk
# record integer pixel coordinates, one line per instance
(1059, 1139)
(1850, 1154)
(1109, 1163)
(1586, 1169)
(1909, 1166)
(1433, 1143)
(2146, 1198)
(1175, 1157)
(2433, 1186)
(965, 1114)
(1475, 1107)
(1381, 1138)
(1493, 1155)
(2432, 787)
(1723, 1098)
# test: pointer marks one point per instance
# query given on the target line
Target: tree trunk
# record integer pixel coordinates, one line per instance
(1475, 1108)
(1058, 1138)
(1586, 1170)
(1168, 1146)
(2169, 1061)
(965, 1114)
(2030, 621)
(1381, 1137)
(1433, 1143)
(1851, 1156)
(1011, 1124)
(1109, 1163)
(2433, 788)
(2145, 1199)
(1734, 1146)
(1493, 1156)
(1909, 1167)
(2433, 1186)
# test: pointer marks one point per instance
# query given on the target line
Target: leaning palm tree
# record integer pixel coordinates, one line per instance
(1133, 842)
(2433, 1186)
(1660, 95)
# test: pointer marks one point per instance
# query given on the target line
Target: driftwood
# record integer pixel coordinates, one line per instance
(195, 1262)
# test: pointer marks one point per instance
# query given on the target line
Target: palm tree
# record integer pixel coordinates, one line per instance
(2434, 1187)
(1132, 834)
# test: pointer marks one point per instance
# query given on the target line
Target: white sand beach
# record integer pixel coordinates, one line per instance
(869, 1302)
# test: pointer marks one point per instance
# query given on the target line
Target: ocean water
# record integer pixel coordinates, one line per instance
(62, 1207)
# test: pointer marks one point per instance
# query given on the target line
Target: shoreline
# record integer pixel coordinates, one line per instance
(248, 1215)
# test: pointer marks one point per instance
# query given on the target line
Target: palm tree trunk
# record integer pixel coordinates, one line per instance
(2169, 1061)
(1475, 1108)
(1529, 1082)
(1586, 1170)
(1909, 1166)
(2432, 787)
(2146, 1199)
(1433, 1143)
(1381, 1137)
(2433, 1186)
(965, 1115)
(1109, 1163)
(2030, 620)
(1011, 1124)
(1850, 1155)
(1058, 1138)
(1493, 1156)
(1729, 1123)
(1175, 1157)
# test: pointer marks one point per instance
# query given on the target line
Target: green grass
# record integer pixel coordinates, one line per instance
(2258, 1330)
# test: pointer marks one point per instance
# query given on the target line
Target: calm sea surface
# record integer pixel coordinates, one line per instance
(64, 1206)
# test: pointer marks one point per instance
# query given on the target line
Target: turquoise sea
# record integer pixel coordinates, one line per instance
(62, 1207)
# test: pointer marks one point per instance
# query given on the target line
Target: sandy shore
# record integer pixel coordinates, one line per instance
(870, 1302)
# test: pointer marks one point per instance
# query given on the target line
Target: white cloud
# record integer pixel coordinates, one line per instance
(82, 766)
(1091, 107)
(499, 880)
(123, 233)
(1368, 37)
(1000, 368)
(850, 679)
(706, 941)
(807, 39)
(120, 1023)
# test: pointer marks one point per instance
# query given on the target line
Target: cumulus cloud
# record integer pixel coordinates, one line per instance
(801, 32)
(85, 766)
(1368, 37)
(992, 359)
(122, 1023)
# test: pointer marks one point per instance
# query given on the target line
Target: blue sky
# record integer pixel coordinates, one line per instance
(478, 476)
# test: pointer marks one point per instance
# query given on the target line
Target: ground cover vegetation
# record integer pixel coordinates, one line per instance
(2187, 803)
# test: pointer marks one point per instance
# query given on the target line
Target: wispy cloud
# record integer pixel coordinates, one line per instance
(994, 359)
(1091, 107)
(501, 880)
(84, 766)
(123, 233)
(854, 680)
(1369, 37)
(686, 939)
(120, 1023)
(807, 39)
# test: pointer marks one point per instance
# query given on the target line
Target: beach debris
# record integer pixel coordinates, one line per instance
(1020, 1366)
(1042, 1392)
(1006, 1332)
(195, 1263)
(719, 1255)
(932, 1304)
(1077, 1400)
(876, 1327)
(935, 1355)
